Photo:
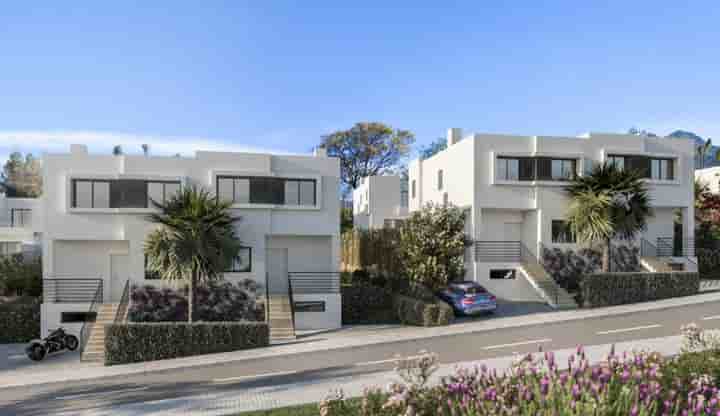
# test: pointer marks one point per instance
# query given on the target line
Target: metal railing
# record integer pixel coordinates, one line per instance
(648, 249)
(498, 251)
(71, 290)
(671, 247)
(123, 305)
(531, 259)
(292, 300)
(90, 318)
(314, 282)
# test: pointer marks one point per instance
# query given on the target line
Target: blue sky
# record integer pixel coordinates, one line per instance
(278, 75)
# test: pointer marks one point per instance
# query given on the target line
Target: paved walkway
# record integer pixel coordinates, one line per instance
(352, 336)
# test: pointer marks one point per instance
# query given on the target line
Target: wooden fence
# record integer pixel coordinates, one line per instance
(373, 248)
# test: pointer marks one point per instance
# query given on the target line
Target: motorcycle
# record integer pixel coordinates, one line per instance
(58, 340)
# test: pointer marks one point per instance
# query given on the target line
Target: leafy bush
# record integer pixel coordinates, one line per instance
(432, 244)
(138, 342)
(20, 276)
(217, 301)
(367, 304)
(708, 262)
(20, 320)
(605, 289)
(412, 311)
(568, 267)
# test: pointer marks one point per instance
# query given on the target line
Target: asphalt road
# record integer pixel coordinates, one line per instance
(238, 376)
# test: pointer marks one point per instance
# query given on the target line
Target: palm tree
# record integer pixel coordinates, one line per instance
(607, 204)
(195, 242)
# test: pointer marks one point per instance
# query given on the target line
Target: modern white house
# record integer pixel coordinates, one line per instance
(20, 226)
(379, 202)
(511, 188)
(94, 223)
(709, 177)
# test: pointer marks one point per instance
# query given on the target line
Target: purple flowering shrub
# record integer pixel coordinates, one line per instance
(215, 301)
(630, 383)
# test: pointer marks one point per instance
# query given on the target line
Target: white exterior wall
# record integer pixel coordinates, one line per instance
(104, 230)
(22, 238)
(471, 182)
(377, 199)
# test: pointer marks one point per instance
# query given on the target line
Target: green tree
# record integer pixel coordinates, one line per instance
(346, 219)
(367, 149)
(21, 177)
(195, 242)
(433, 148)
(432, 244)
(607, 204)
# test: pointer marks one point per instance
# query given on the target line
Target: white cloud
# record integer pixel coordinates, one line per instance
(102, 142)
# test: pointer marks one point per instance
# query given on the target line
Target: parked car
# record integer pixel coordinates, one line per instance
(468, 298)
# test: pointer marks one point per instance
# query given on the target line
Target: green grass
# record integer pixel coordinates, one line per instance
(304, 410)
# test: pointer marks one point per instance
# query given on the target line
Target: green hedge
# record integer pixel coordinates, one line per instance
(367, 304)
(137, 342)
(605, 289)
(412, 311)
(19, 321)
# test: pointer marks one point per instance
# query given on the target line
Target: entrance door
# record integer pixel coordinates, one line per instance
(119, 274)
(277, 270)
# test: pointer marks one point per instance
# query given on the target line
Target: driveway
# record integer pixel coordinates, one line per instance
(14, 362)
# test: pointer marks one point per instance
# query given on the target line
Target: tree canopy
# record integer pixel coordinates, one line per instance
(21, 176)
(367, 149)
(436, 146)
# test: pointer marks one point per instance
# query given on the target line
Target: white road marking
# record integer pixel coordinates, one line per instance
(231, 379)
(16, 357)
(99, 393)
(515, 344)
(636, 328)
(389, 360)
(710, 318)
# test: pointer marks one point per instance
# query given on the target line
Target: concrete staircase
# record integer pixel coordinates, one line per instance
(95, 348)
(655, 264)
(539, 278)
(281, 320)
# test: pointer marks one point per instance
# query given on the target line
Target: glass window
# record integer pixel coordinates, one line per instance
(557, 169)
(292, 193)
(20, 217)
(155, 193)
(101, 194)
(513, 169)
(502, 168)
(225, 189)
(242, 263)
(128, 193)
(561, 232)
(307, 193)
(618, 161)
(655, 171)
(82, 197)
(171, 189)
(242, 191)
(568, 169)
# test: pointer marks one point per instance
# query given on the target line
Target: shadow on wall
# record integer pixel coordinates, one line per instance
(568, 266)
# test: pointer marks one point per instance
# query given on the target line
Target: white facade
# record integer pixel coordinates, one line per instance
(481, 173)
(709, 177)
(378, 202)
(20, 225)
(89, 235)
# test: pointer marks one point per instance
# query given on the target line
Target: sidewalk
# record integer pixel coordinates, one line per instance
(347, 337)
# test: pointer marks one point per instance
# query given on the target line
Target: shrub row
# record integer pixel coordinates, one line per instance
(367, 304)
(412, 311)
(137, 342)
(708, 262)
(19, 321)
(604, 289)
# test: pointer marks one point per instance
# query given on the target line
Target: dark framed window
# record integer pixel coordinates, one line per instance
(502, 273)
(267, 190)
(648, 167)
(120, 193)
(242, 263)
(75, 317)
(561, 232)
(535, 168)
(20, 217)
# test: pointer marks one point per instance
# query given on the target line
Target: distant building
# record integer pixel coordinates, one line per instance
(380, 202)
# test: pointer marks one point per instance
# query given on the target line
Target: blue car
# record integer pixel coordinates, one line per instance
(468, 298)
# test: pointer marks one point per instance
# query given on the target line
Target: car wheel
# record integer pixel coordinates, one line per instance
(71, 342)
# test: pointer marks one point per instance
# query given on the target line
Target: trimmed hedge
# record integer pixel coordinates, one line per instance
(19, 322)
(367, 304)
(606, 289)
(412, 311)
(138, 342)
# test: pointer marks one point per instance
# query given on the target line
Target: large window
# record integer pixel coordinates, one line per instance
(264, 190)
(648, 167)
(120, 193)
(242, 263)
(535, 168)
(561, 232)
(20, 217)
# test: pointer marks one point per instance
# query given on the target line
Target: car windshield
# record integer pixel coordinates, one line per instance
(470, 290)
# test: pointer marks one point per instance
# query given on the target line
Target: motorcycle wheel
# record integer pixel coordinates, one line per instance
(71, 342)
(37, 352)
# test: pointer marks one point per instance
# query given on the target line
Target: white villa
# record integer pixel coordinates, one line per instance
(511, 188)
(379, 202)
(94, 223)
(20, 228)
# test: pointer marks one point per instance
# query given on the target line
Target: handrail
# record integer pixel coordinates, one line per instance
(90, 318)
(527, 256)
(292, 301)
(267, 299)
(648, 249)
(123, 306)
